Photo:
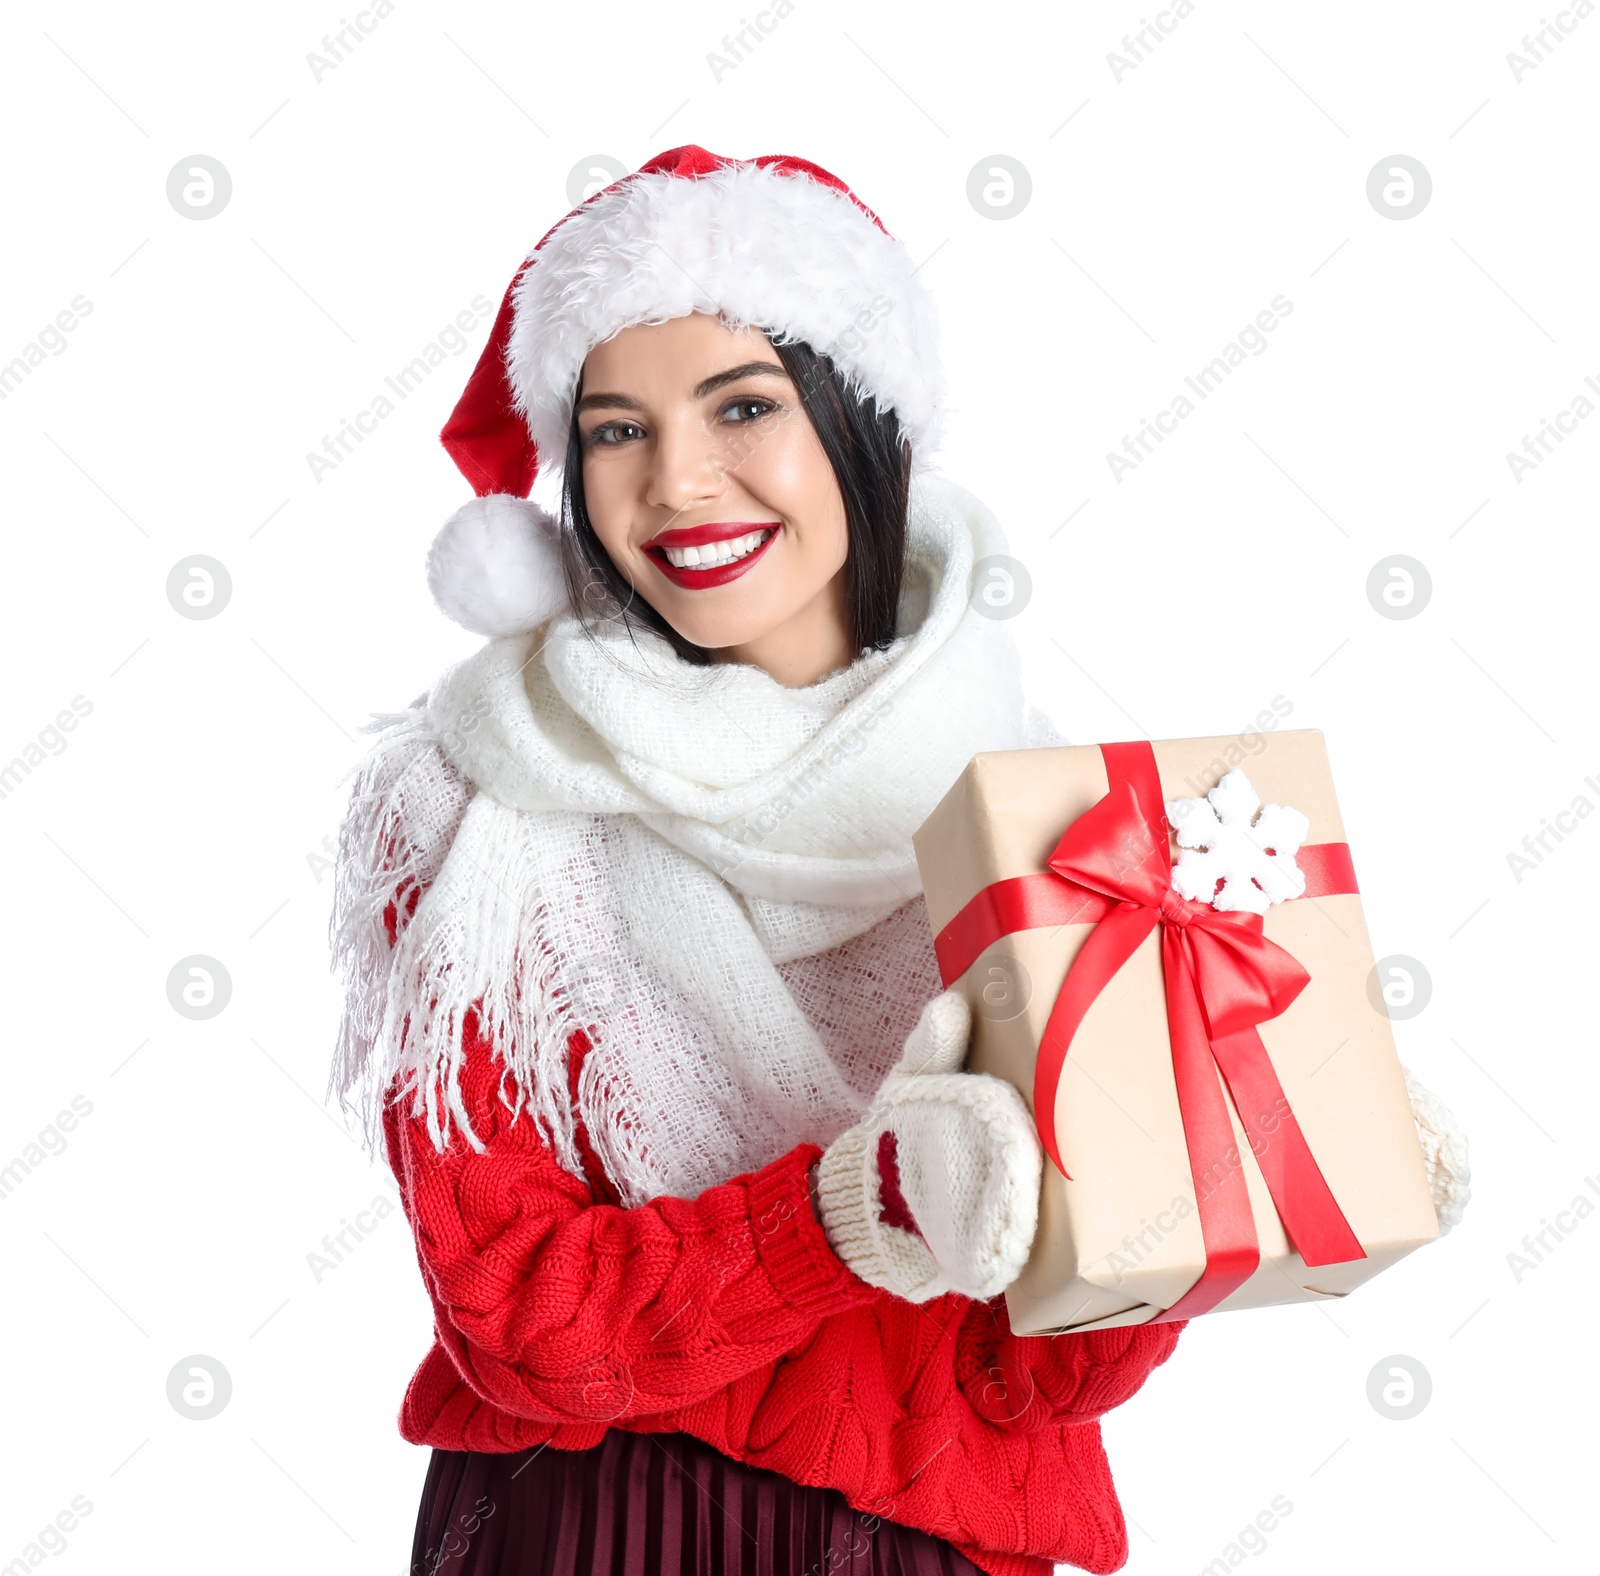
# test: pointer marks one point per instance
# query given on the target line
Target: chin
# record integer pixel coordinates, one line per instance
(719, 637)
(717, 634)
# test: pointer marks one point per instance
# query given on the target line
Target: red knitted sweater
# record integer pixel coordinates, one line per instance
(559, 1314)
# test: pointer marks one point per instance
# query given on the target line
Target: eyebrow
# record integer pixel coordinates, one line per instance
(710, 385)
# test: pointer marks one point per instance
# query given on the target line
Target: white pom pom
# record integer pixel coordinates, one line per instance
(495, 566)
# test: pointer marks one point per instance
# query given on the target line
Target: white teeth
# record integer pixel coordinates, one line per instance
(713, 553)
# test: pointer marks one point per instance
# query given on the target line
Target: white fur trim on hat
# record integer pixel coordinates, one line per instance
(762, 249)
(495, 566)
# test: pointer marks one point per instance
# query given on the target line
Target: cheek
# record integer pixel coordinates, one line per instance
(605, 495)
(790, 473)
(830, 535)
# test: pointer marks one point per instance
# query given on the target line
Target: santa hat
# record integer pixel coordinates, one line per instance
(775, 243)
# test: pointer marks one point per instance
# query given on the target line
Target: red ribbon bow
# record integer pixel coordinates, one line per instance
(1223, 977)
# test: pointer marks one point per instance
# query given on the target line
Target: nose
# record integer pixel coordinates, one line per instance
(687, 467)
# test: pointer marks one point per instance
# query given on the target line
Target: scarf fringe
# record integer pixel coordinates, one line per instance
(384, 854)
(476, 949)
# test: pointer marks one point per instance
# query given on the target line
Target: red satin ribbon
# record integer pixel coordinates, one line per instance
(1223, 977)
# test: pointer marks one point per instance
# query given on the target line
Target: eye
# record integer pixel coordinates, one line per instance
(751, 403)
(610, 433)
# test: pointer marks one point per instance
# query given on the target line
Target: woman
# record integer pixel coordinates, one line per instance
(641, 988)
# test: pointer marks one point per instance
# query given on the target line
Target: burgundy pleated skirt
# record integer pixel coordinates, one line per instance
(651, 1505)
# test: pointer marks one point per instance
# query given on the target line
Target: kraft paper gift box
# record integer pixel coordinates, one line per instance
(1184, 1017)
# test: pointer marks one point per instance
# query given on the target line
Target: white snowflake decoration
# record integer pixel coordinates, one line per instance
(1225, 841)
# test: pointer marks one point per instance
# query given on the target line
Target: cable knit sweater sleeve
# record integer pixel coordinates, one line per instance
(562, 1309)
(1021, 1383)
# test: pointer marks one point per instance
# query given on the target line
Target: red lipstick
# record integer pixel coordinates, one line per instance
(699, 577)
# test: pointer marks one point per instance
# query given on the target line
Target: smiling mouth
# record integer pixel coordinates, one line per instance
(713, 561)
(714, 553)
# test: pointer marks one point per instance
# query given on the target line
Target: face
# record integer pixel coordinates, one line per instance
(708, 488)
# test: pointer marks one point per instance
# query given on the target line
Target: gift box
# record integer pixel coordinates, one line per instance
(1167, 957)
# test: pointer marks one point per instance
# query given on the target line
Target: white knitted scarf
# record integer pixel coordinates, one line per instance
(707, 873)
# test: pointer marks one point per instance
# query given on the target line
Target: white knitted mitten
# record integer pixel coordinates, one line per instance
(968, 1163)
(1444, 1150)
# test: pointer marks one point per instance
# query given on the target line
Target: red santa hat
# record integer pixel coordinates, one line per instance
(775, 243)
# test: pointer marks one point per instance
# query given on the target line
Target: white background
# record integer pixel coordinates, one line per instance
(185, 812)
